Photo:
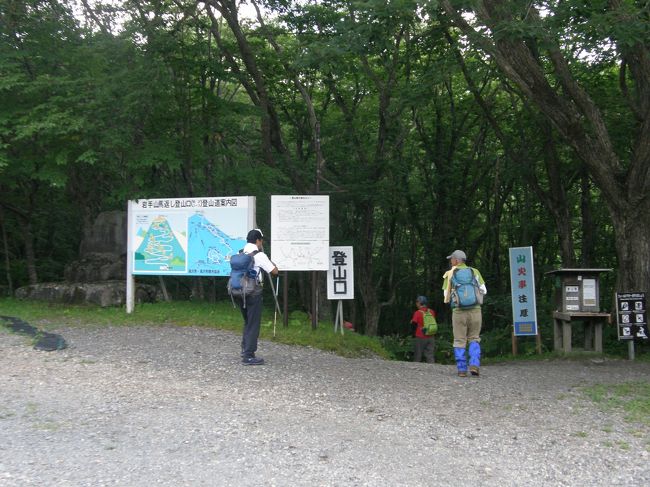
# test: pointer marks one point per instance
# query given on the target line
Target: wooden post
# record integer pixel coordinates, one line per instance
(566, 336)
(163, 288)
(557, 334)
(538, 341)
(514, 342)
(598, 336)
(314, 300)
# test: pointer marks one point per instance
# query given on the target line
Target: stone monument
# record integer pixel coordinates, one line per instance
(99, 276)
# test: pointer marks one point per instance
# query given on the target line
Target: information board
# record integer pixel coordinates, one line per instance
(522, 285)
(300, 232)
(188, 236)
(631, 316)
(340, 276)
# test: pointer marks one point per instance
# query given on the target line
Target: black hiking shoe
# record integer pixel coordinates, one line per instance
(253, 361)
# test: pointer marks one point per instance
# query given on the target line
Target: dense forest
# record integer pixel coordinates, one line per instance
(433, 125)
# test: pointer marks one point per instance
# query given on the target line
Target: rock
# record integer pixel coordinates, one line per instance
(99, 276)
(108, 293)
(94, 267)
(108, 235)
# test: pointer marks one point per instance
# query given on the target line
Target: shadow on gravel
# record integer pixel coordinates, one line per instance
(45, 341)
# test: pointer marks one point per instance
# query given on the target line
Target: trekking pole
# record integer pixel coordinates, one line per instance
(275, 294)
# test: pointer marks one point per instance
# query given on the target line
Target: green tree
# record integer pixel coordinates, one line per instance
(552, 59)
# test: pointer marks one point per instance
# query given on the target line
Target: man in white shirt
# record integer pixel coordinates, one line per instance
(251, 309)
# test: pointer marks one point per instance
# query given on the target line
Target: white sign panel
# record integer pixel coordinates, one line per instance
(300, 232)
(340, 276)
(589, 292)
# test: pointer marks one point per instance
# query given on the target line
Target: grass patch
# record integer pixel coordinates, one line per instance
(633, 398)
(50, 426)
(222, 315)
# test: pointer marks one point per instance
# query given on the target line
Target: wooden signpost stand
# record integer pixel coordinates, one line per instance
(577, 300)
(538, 342)
(593, 330)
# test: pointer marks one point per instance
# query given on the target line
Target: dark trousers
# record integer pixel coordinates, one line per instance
(252, 314)
(424, 346)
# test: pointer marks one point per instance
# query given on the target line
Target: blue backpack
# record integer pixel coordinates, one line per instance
(243, 278)
(465, 291)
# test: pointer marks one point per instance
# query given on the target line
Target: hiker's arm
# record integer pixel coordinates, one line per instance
(480, 281)
(265, 263)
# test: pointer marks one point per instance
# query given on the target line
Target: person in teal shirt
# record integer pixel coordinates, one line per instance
(463, 288)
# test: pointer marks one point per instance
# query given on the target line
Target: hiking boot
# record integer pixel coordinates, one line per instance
(462, 374)
(473, 370)
(253, 361)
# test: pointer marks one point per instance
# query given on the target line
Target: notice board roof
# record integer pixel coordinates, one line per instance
(578, 271)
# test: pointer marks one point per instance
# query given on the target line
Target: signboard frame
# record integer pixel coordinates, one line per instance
(300, 232)
(631, 316)
(340, 275)
(522, 285)
(172, 217)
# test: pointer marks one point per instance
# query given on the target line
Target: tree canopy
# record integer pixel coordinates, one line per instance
(432, 125)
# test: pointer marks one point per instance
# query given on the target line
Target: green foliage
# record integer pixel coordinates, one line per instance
(414, 164)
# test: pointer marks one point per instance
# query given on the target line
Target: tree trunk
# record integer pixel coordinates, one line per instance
(371, 307)
(632, 227)
(588, 242)
(5, 245)
(30, 255)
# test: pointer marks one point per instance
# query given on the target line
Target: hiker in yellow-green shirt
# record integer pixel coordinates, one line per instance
(463, 288)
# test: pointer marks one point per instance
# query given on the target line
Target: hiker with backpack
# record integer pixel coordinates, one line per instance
(245, 288)
(426, 327)
(463, 288)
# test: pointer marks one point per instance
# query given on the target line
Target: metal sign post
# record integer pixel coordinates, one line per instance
(338, 321)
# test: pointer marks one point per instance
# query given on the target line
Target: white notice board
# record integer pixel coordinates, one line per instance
(300, 232)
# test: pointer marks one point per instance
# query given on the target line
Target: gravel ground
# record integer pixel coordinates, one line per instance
(172, 406)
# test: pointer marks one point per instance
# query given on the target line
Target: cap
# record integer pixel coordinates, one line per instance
(457, 254)
(254, 235)
(422, 300)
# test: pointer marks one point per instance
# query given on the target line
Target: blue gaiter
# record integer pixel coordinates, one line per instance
(461, 363)
(475, 354)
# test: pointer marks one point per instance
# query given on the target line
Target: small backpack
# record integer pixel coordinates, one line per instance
(429, 323)
(243, 278)
(465, 291)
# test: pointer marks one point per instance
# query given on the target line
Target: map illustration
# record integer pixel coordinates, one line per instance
(188, 237)
(210, 248)
(161, 248)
